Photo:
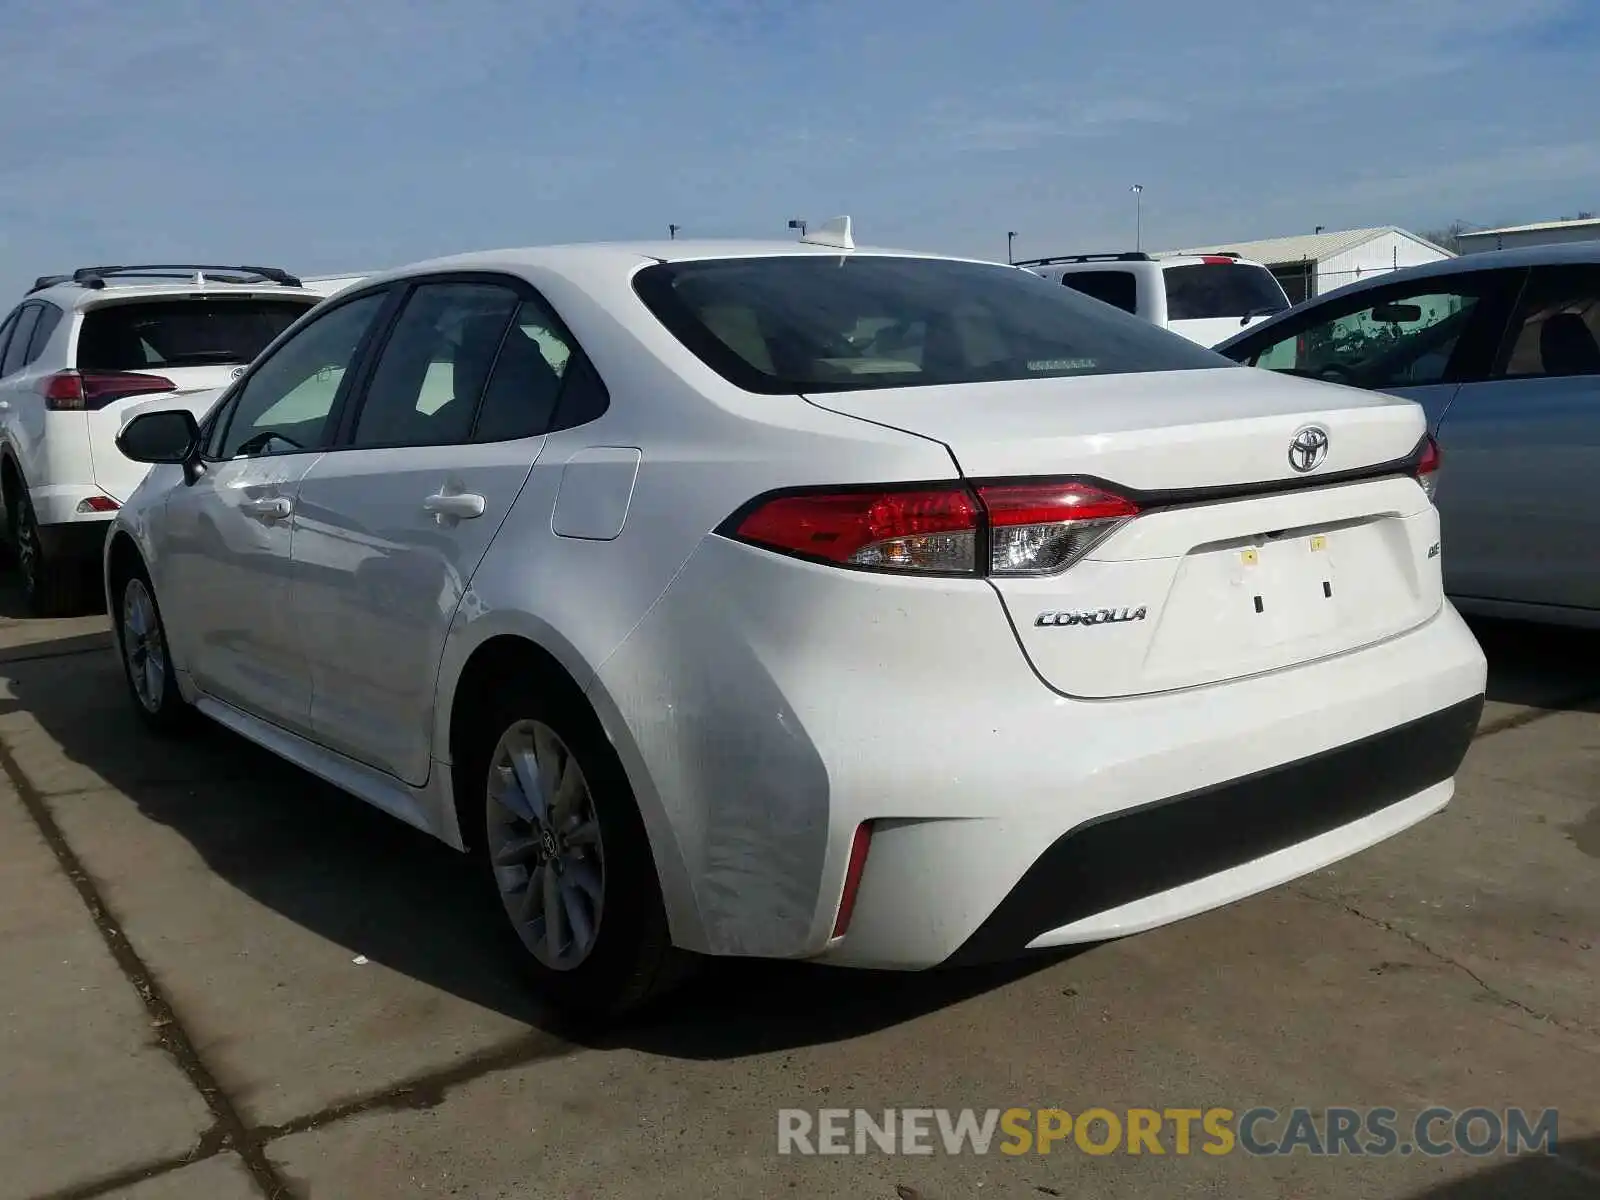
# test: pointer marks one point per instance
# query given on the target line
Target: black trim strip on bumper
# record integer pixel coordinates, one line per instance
(1128, 855)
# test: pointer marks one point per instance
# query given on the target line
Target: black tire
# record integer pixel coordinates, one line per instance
(160, 705)
(54, 586)
(633, 962)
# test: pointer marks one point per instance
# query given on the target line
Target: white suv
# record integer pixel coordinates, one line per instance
(1204, 297)
(76, 356)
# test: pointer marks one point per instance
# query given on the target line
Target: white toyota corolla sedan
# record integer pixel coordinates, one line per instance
(803, 601)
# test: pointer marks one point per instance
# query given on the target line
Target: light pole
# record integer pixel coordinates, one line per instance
(672, 232)
(1011, 236)
(798, 224)
(1138, 215)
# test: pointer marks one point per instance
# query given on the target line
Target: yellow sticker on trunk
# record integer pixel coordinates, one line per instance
(1249, 557)
(1319, 542)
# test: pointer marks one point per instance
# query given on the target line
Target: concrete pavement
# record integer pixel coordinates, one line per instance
(223, 979)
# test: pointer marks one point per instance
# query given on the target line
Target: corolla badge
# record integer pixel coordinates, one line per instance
(1094, 616)
(1308, 449)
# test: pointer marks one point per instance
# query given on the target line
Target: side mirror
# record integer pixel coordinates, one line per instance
(1397, 314)
(166, 437)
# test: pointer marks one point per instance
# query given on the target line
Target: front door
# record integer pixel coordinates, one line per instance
(395, 519)
(226, 584)
(1520, 483)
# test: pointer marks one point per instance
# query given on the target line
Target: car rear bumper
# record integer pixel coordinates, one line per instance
(81, 538)
(764, 709)
(1143, 866)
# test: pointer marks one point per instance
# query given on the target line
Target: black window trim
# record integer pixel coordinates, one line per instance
(218, 423)
(350, 403)
(30, 306)
(8, 324)
(1498, 296)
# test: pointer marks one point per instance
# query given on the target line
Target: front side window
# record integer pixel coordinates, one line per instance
(425, 389)
(1117, 288)
(284, 405)
(1405, 340)
(789, 324)
(1556, 330)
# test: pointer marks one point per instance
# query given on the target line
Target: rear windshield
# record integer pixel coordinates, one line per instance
(815, 323)
(1207, 290)
(142, 334)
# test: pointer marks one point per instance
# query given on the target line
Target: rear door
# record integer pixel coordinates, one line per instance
(1521, 484)
(392, 523)
(182, 348)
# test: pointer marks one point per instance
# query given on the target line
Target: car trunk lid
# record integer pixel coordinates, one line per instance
(1235, 562)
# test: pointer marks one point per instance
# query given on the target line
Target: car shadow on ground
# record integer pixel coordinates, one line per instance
(1541, 666)
(382, 889)
(1573, 1173)
(369, 883)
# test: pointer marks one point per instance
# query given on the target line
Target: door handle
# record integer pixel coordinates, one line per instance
(463, 506)
(273, 508)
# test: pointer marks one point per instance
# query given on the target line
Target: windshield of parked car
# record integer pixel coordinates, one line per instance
(1207, 291)
(819, 323)
(145, 334)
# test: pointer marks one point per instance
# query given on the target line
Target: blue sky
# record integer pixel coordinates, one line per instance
(327, 137)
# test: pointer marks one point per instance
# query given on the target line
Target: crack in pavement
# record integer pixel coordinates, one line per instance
(228, 1129)
(1440, 957)
(417, 1093)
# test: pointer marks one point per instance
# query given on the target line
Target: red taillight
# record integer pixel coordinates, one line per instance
(1032, 528)
(852, 877)
(932, 529)
(76, 391)
(1042, 528)
(1428, 466)
(1217, 260)
(98, 504)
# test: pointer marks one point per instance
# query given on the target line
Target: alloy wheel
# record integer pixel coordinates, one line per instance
(545, 846)
(143, 646)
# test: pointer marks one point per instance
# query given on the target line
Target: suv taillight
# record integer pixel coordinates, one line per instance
(1428, 467)
(80, 391)
(994, 529)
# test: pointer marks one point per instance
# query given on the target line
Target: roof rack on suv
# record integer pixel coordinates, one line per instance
(95, 277)
(1127, 256)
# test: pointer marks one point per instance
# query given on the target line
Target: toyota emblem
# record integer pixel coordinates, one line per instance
(236, 372)
(1308, 449)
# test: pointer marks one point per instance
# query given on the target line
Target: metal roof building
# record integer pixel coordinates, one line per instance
(1541, 233)
(1310, 264)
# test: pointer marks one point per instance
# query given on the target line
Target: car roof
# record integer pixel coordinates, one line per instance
(1562, 254)
(72, 296)
(576, 259)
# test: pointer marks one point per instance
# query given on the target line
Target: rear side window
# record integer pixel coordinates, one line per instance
(788, 324)
(1208, 290)
(142, 335)
(49, 318)
(1118, 288)
(17, 348)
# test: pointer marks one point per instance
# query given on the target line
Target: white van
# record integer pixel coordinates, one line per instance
(1205, 297)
